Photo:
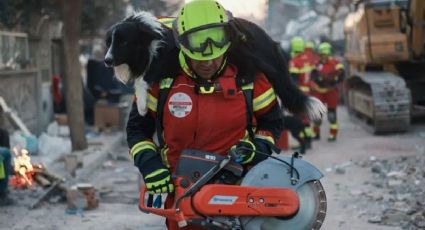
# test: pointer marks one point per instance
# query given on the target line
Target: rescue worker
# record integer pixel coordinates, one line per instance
(309, 50)
(297, 46)
(5, 167)
(300, 68)
(328, 73)
(205, 107)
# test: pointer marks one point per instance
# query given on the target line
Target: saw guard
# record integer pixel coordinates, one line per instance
(311, 195)
(234, 200)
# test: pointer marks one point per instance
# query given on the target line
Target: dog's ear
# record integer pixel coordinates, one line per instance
(145, 30)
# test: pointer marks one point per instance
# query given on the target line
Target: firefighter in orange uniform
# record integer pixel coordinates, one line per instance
(300, 67)
(205, 107)
(328, 73)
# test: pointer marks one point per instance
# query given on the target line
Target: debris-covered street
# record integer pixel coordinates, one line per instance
(371, 182)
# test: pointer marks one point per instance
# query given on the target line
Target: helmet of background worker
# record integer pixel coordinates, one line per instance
(310, 45)
(325, 49)
(202, 30)
(297, 45)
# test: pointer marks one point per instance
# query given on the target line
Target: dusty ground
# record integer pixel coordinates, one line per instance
(117, 182)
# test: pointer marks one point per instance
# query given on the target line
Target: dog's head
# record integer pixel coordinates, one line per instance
(132, 44)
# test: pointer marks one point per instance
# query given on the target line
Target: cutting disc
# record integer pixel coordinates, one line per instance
(312, 211)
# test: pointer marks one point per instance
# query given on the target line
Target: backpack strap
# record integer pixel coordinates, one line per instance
(164, 90)
(248, 90)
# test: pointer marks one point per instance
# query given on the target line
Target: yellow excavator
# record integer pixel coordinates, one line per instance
(384, 50)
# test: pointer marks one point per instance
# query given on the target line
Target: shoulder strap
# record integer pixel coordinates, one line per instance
(248, 90)
(164, 90)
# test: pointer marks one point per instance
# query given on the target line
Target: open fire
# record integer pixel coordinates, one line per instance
(25, 173)
(23, 169)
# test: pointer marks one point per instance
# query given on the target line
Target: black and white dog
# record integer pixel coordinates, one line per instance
(141, 48)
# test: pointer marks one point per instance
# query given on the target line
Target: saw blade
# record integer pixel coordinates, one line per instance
(312, 211)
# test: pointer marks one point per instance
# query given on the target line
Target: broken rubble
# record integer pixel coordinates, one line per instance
(399, 196)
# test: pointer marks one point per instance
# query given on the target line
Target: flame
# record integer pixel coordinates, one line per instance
(23, 168)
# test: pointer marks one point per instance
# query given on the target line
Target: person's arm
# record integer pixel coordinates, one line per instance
(269, 123)
(145, 153)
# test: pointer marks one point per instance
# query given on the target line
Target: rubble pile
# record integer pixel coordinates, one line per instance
(399, 191)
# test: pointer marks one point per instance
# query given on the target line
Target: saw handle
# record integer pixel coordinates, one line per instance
(168, 213)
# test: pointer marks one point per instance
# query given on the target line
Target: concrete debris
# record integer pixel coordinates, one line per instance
(374, 219)
(399, 196)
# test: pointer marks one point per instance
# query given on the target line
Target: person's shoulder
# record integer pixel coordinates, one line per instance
(261, 80)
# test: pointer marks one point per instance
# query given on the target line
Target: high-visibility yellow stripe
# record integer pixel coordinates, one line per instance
(164, 157)
(264, 99)
(143, 145)
(305, 88)
(307, 68)
(333, 126)
(308, 131)
(266, 138)
(2, 171)
(156, 173)
(248, 86)
(166, 83)
(168, 22)
(339, 66)
(294, 70)
(152, 102)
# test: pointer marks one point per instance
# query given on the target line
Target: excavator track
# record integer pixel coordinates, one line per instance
(380, 101)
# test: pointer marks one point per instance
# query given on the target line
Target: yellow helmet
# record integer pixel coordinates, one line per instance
(297, 44)
(202, 29)
(325, 48)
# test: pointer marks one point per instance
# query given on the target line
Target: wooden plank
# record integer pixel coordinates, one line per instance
(13, 117)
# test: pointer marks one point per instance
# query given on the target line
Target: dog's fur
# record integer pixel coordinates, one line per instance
(142, 49)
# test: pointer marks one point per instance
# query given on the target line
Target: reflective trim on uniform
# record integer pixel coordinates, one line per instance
(333, 126)
(152, 102)
(294, 70)
(143, 145)
(319, 89)
(308, 131)
(305, 88)
(266, 138)
(168, 22)
(164, 152)
(264, 99)
(304, 69)
(2, 170)
(307, 68)
(155, 173)
(339, 66)
(248, 86)
(166, 83)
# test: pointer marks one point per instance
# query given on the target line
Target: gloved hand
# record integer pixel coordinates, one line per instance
(157, 177)
(245, 150)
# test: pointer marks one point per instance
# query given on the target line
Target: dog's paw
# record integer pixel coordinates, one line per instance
(315, 109)
(141, 88)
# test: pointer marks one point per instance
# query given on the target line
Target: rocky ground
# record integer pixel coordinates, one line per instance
(372, 182)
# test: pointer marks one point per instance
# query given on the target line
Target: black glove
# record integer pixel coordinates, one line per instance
(247, 151)
(157, 177)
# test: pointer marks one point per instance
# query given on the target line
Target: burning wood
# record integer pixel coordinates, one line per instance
(25, 173)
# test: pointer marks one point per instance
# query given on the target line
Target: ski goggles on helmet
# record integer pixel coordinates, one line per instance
(200, 38)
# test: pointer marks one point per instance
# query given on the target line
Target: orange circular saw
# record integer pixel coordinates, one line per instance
(212, 191)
